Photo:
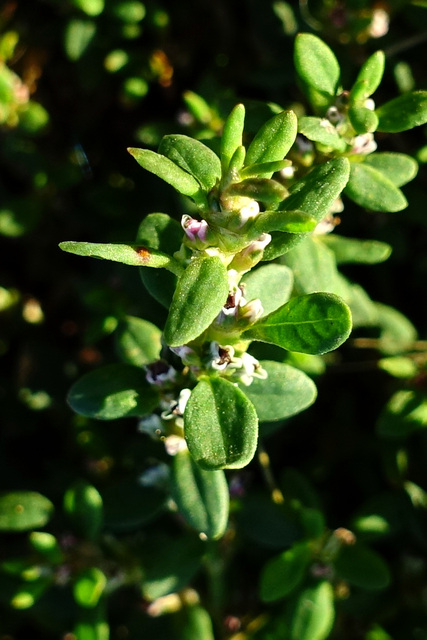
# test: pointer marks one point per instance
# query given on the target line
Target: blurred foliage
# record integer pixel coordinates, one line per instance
(91, 545)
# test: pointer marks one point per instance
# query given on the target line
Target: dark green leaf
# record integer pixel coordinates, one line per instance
(232, 135)
(371, 189)
(200, 495)
(83, 506)
(314, 194)
(200, 294)
(131, 254)
(138, 341)
(267, 524)
(273, 140)
(282, 574)
(315, 323)
(321, 130)
(405, 112)
(194, 157)
(362, 567)
(270, 283)
(316, 64)
(113, 391)
(170, 172)
(313, 613)
(286, 392)
(397, 167)
(404, 413)
(221, 425)
(24, 510)
(170, 563)
(348, 250)
(128, 505)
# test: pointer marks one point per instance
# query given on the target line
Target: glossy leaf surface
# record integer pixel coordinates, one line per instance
(405, 112)
(24, 510)
(220, 425)
(138, 341)
(200, 495)
(282, 574)
(314, 323)
(200, 295)
(371, 189)
(113, 391)
(194, 157)
(286, 392)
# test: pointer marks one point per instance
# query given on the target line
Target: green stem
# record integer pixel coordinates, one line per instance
(214, 564)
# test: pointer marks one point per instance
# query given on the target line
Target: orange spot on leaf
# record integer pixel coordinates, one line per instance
(143, 253)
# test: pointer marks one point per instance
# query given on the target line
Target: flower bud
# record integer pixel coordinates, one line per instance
(250, 255)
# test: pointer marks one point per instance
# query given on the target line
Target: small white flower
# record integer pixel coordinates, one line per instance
(364, 144)
(249, 212)
(380, 23)
(288, 172)
(174, 444)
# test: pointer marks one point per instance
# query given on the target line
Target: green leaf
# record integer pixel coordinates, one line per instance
(316, 64)
(369, 77)
(397, 167)
(161, 232)
(171, 173)
(362, 567)
(264, 169)
(363, 120)
(90, 7)
(314, 268)
(397, 332)
(287, 221)
(321, 130)
(267, 524)
(138, 341)
(273, 140)
(113, 391)
(47, 546)
(314, 194)
(270, 283)
(286, 392)
(134, 255)
(220, 425)
(284, 573)
(200, 495)
(349, 250)
(92, 623)
(78, 36)
(83, 506)
(170, 563)
(371, 189)
(313, 613)
(404, 413)
(200, 294)
(194, 157)
(198, 624)
(129, 505)
(24, 510)
(405, 112)
(89, 587)
(315, 323)
(232, 135)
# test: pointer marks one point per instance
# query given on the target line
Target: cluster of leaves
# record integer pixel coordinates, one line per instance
(232, 357)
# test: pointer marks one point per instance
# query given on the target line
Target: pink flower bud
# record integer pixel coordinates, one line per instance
(195, 229)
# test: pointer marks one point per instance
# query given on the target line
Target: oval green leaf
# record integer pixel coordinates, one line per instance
(232, 135)
(194, 157)
(362, 567)
(363, 120)
(349, 250)
(283, 573)
(113, 391)
(273, 140)
(138, 341)
(313, 614)
(321, 130)
(316, 64)
(404, 413)
(314, 323)
(369, 77)
(286, 392)
(84, 508)
(200, 294)
(220, 425)
(270, 283)
(397, 167)
(89, 587)
(405, 112)
(200, 495)
(24, 510)
(371, 189)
